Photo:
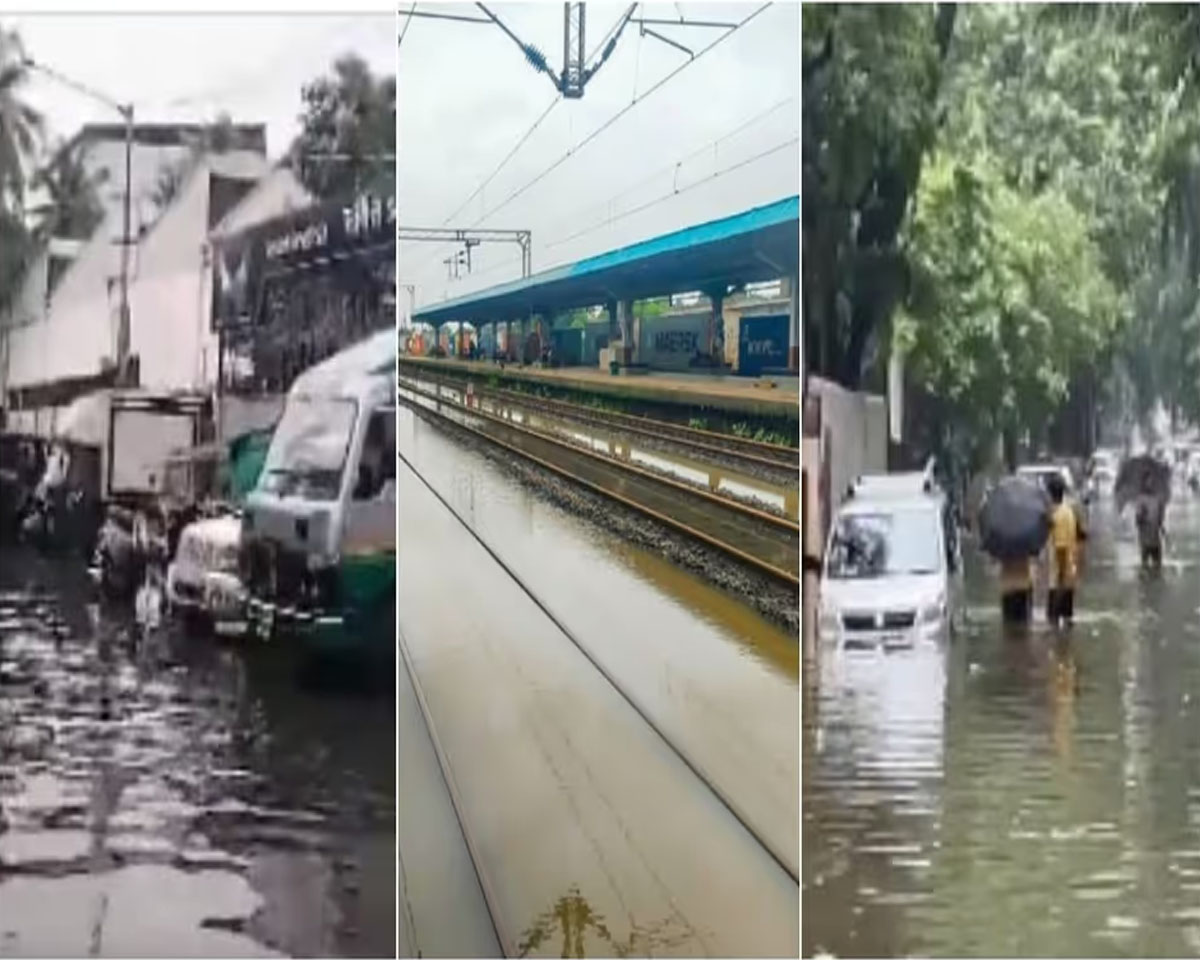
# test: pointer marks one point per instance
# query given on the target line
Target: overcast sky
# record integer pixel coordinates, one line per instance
(466, 95)
(193, 67)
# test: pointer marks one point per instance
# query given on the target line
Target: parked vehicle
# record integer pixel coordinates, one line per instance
(890, 577)
(318, 536)
(203, 580)
(1042, 472)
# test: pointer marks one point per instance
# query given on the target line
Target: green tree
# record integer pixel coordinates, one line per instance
(20, 134)
(20, 124)
(871, 76)
(1008, 297)
(347, 141)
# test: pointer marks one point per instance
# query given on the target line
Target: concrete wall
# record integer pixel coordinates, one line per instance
(241, 415)
(170, 298)
(854, 441)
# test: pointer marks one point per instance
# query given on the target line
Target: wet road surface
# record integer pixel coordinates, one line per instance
(1034, 796)
(594, 836)
(162, 795)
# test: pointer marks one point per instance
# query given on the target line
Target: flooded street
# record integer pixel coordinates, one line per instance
(1036, 796)
(164, 794)
(590, 827)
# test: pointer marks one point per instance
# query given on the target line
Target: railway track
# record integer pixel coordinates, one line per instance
(754, 452)
(762, 540)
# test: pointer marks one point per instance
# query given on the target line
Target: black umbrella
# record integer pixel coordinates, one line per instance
(1140, 475)
(1014, 521)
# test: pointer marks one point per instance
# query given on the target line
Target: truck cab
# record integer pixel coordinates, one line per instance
(318, 545)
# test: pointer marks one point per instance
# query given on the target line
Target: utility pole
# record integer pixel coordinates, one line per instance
(123, 324)
(126, 112)
(469, 239)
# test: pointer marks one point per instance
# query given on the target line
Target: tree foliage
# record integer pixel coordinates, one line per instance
(71, 208)
(20, 136)
(1008, 298)
(348, 138)
(871, 76)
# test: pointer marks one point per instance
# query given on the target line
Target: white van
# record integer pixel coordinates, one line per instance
(892, 564)
(318, 543)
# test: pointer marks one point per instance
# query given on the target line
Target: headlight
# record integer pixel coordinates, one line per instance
(933, 613)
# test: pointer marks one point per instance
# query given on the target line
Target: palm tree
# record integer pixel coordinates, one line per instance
(20, 124)
(72, 209)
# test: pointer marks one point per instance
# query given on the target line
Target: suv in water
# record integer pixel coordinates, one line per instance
(890, 575)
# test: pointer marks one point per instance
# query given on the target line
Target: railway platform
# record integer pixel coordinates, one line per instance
(761, 397)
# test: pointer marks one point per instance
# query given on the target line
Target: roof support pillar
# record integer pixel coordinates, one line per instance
(716, 325)
(792, 286)
(625, 323)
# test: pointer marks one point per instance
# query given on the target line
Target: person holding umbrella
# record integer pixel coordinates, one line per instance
(1014, 524)
(1150, 524)
(1016, 590)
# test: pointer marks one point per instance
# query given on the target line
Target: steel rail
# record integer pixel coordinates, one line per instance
(727, 503)
(778, 454)
(706, 441)
(765, 566)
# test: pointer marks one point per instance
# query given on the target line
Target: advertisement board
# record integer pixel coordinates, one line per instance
(762, 344)
(314, 238)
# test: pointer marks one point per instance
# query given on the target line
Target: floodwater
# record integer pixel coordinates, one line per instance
(1036, 795)
(770, 540)
(780, 496)
(163, 796)
(594, 836)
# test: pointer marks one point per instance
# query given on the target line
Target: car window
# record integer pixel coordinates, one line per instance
(377, 465)
(886, 543)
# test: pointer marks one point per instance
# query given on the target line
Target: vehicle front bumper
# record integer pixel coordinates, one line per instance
(217, 594)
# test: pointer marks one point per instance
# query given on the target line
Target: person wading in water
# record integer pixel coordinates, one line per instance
(1066, 533)
(1149, 519)
(1016, 591)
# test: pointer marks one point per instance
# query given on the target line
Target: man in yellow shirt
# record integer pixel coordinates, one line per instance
(1065, 536)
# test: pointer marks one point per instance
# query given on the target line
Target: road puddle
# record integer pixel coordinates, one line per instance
(161, 795)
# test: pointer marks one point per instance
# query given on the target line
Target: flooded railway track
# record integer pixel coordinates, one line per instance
(765, 541)
(753, 453)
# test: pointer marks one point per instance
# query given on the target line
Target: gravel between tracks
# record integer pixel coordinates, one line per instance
(776, 602)
(730, 461)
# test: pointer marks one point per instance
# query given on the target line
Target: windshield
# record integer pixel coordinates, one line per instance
(866, 545)
(309, 448)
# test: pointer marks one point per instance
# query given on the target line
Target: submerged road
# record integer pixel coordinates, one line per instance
(163, 796)
(590, 832)
(1005, 796)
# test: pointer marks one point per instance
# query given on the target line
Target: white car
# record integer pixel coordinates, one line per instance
(890, 577)
(203, 579)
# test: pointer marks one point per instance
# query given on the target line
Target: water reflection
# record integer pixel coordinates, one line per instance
(160, 794)
(1043, 800)
(580, 927)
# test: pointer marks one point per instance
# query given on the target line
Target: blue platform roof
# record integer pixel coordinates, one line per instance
(758, 244)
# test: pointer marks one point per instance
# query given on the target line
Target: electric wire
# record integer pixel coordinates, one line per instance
(407, 23)
(573, 150)
(485, 887)
(559, 241)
